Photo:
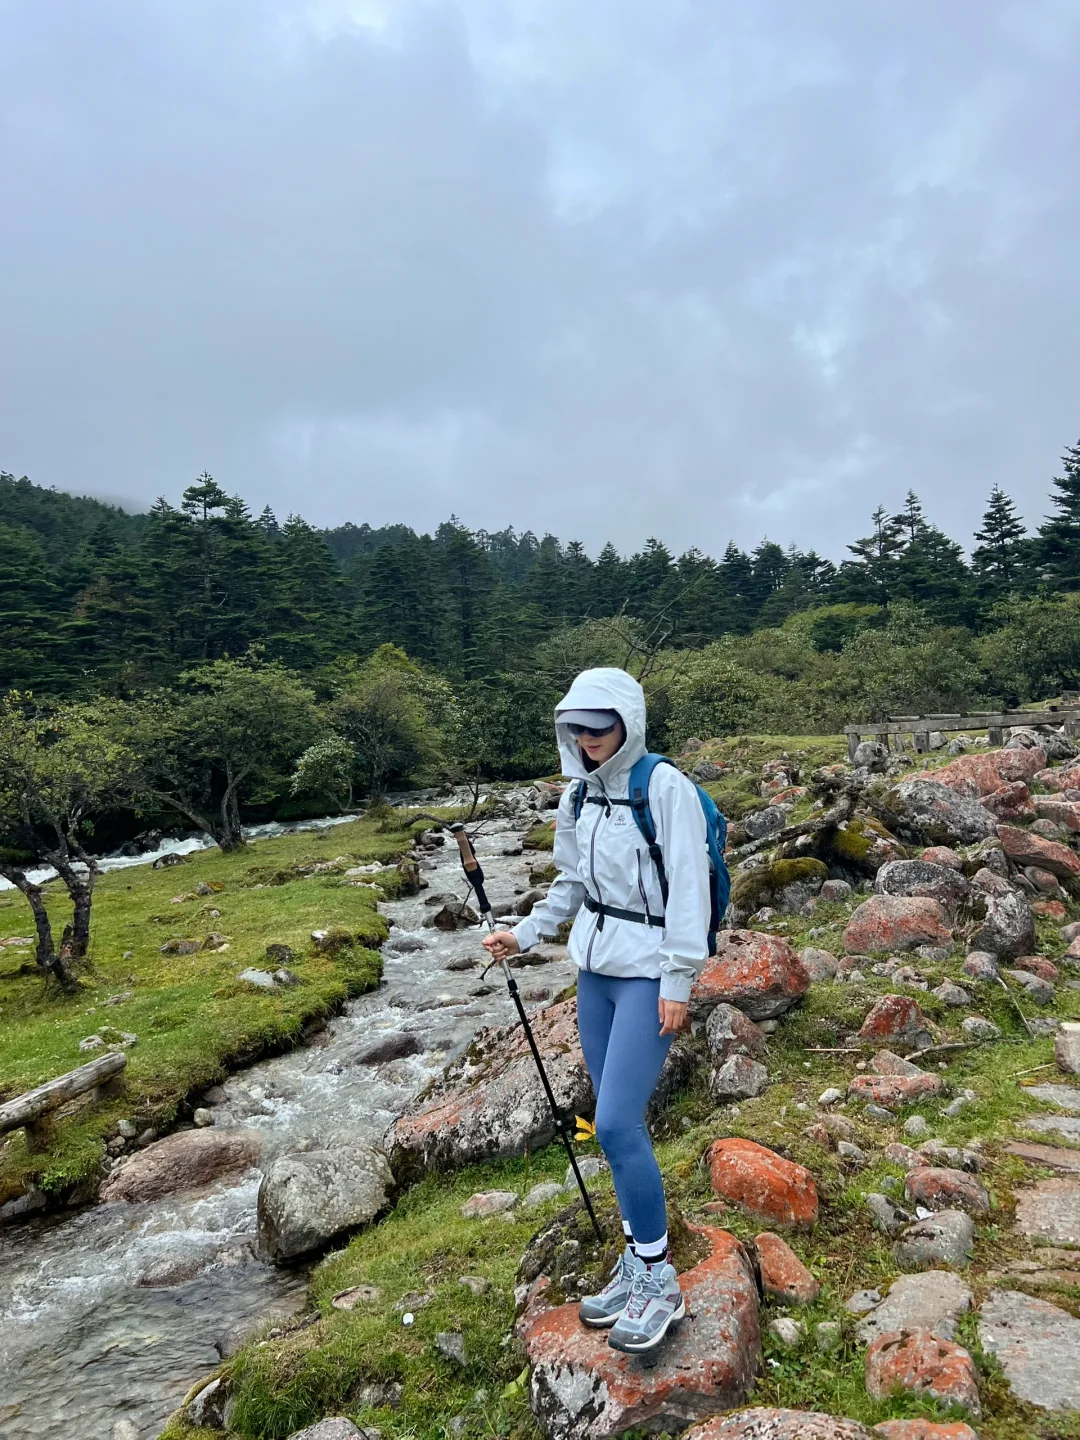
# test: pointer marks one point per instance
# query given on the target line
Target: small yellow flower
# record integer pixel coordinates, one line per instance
(586, 1130)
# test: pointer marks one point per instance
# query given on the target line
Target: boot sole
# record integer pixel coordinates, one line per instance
(600, 1322)
(629, 1348)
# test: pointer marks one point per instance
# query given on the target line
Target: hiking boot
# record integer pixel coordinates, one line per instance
(655, 1302)
(605, 1307)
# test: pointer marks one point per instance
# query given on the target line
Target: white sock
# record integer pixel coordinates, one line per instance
(628, 1235)
(655, 1253)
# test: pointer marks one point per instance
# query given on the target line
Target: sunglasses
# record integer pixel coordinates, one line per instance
(578, 730)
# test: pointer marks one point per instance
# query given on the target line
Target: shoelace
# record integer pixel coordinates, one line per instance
(645, 1287)
(620, 1273)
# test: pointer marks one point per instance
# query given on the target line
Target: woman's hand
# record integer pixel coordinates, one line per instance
(673, 1017)
(501, 944)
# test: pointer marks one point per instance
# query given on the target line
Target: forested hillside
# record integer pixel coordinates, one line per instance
(424, 655)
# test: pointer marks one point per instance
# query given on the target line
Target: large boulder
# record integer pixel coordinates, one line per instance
(932, 813)
(1011, 803)
(1067, 778)
(761, 975)
(982, 774)
(1007, 928)
(1024, 848)
(728, 1032)
(785, 885)
(943, 883)
(859, 847)
(1065, 813)
(887, 923)
(490, 1101)
(581, 1389)
(306, 1200)
(762, 1183)
(188, 1160)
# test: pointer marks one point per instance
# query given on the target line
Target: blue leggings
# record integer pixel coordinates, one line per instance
(619, 1024)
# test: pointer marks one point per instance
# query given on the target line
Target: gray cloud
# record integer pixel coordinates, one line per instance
(630, 268)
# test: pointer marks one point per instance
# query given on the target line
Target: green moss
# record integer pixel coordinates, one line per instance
(751, 889)
(540, 837)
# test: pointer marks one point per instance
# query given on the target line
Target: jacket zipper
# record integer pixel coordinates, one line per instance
(596, 883)
(641, 885)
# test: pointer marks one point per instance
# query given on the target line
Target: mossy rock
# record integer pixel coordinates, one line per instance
(543, 874)
(567, 1248)
(852, 844)
(540, 837)
(764, 884)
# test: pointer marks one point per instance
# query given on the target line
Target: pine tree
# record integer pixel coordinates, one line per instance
(1059, 536)
(611, 581)
(871, 576)
(735, 576)
(930, 571)
(998, 562)
(911, 521)
(30, 656)
(579, 581)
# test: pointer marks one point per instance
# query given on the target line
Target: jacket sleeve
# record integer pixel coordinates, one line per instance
(680, 830)
(567, 893)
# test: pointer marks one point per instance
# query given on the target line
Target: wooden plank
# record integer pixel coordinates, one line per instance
(28, 1108)
(1000, 721)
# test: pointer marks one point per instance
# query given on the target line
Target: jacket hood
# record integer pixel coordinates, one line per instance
(604, 689)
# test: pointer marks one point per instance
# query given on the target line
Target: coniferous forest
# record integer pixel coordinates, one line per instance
(214, 664)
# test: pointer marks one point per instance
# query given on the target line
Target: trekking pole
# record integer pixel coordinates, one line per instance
(475, 877)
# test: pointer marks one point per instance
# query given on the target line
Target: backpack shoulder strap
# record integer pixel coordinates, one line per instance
(638, 791)
(579, 799)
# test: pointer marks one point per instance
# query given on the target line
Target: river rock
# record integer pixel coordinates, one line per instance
(897, 1021)
(768, 1424)
(454, 917)
(759, 974)
(396, 1046)
(932, 813)
(762, 1183)
(581, 1389)
(490, 1101)
(1037, 1345)
(208, 1408)
(188, 1160)
(917, 1362)
(943, 883)
(306, 1200)
(932, 1301)
(885, 924)
(947, 1238)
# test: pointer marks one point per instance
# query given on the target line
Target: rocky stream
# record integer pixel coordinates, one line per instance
(109, 1314)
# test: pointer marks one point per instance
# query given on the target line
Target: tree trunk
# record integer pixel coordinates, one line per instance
(49, 962)
(76, 942)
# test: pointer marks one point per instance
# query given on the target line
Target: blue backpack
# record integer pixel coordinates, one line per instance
(715, 836)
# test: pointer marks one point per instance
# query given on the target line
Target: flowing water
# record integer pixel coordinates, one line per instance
(108, 1315)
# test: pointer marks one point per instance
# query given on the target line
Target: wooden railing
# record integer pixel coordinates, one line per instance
(33, 1111)
(994, 723)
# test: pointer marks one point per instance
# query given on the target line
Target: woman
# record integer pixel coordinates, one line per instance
(636, 964)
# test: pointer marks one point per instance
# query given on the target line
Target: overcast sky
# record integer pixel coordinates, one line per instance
(697, 269)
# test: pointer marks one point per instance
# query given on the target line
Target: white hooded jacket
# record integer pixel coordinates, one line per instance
(604, 855)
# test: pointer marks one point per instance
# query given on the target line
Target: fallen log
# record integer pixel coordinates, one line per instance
(32, 1110)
